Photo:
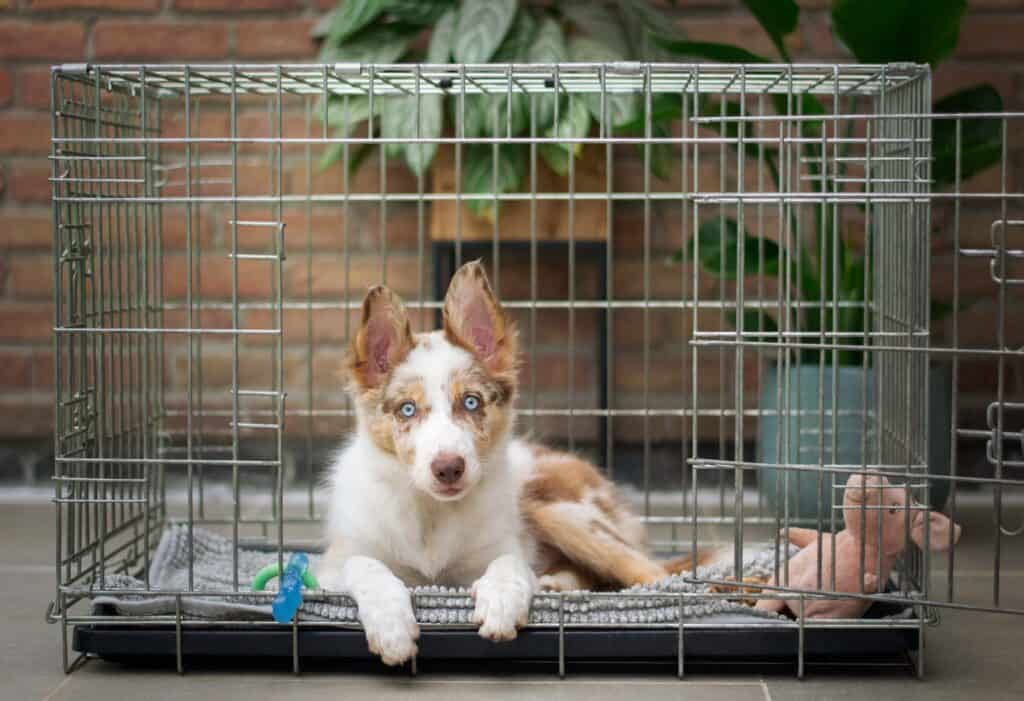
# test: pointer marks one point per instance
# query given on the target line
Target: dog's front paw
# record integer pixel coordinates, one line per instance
(391, 629)
(502, 606)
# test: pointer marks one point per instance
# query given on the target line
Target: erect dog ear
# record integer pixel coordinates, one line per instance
(474, 320)
(383, 339)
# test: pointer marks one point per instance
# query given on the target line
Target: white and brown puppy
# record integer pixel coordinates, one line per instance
(433, 489)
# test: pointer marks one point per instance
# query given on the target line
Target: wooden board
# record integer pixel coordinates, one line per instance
(590, 222)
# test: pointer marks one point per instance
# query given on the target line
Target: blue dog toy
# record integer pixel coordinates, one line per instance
(289, 597)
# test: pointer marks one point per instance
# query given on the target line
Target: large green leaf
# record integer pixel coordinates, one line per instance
(481, 29)
(335, 152)
(440, 48)
(421, 12)
(349, 111)
(717, 246)
(665, 107)
(383, 43)
(503, 119)
(548, 44)
(399, 117)
(475, 116)
(640, 18)
(980, 137)
(556, 157)
(548, 47)
(479, 168)
(520, 36)
(573, 123)
(344, 114)
(779, 19)
(597, 22)
(712, 51)
(622, 107)
(662, 155)
(883, 31)
(352, 16)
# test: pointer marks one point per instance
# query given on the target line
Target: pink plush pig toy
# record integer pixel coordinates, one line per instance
(882, 529)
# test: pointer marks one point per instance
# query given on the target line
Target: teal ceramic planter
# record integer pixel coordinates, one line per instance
(801, 423)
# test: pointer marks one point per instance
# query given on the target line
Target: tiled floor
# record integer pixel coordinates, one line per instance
(969, 654)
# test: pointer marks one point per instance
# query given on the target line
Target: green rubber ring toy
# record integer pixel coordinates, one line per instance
(259, 582)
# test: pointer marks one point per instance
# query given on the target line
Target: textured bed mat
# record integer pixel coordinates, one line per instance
(212, 572)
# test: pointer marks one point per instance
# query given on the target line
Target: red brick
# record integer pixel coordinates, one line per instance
(328, 276)
(26, 368)
(990, 35)
(24, 133)
(42, 369)
(821, 42)
(34, 87)
(21, 321)
(175, 232)
(27, 230)
(740, 30)
(235, 5)
(259, 124)
(552, 372)
(6, 87)
(115, 5)
(215, 277)
(41, 40)
(201, 318)
(122, 39)
(24, 417)
(955, 75)
(31, 277)
(29, 181)
(275, 39)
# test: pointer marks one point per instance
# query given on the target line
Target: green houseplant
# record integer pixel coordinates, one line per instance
(874, 31)
(485, 31)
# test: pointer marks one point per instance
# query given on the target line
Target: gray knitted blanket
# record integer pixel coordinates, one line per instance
(213, 572)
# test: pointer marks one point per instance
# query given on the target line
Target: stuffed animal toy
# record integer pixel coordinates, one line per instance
(875, 512)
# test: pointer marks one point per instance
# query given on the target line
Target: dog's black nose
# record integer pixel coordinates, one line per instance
(448, 468)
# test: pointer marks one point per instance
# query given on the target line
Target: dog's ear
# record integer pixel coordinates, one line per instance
(383, 339)
(474, 320)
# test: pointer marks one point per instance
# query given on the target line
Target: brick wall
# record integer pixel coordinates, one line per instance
(37, 33)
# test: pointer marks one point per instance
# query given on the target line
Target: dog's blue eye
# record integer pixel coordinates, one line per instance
(471, 402)
(408, 410)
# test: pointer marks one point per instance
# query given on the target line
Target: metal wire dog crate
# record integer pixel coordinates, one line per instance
(207, 271)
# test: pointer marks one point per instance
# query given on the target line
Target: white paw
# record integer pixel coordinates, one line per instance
(330, 580)
(560, 581)
(391, 628)
(502, 606)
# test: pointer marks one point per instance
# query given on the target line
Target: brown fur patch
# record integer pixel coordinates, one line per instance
(492, 420)
(736, 589)
(383, 340)
(572, 509)
(476, 322)
(560, 477)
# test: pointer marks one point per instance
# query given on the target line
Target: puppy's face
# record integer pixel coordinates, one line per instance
(440, 402)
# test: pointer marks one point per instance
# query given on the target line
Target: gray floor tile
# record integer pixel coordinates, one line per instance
(29, 648)
(97, 686)
(27, 536)
(969, 654)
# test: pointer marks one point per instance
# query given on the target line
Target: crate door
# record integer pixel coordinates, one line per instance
(913, 388)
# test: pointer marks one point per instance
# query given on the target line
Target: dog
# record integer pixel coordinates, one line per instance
(434, 488)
